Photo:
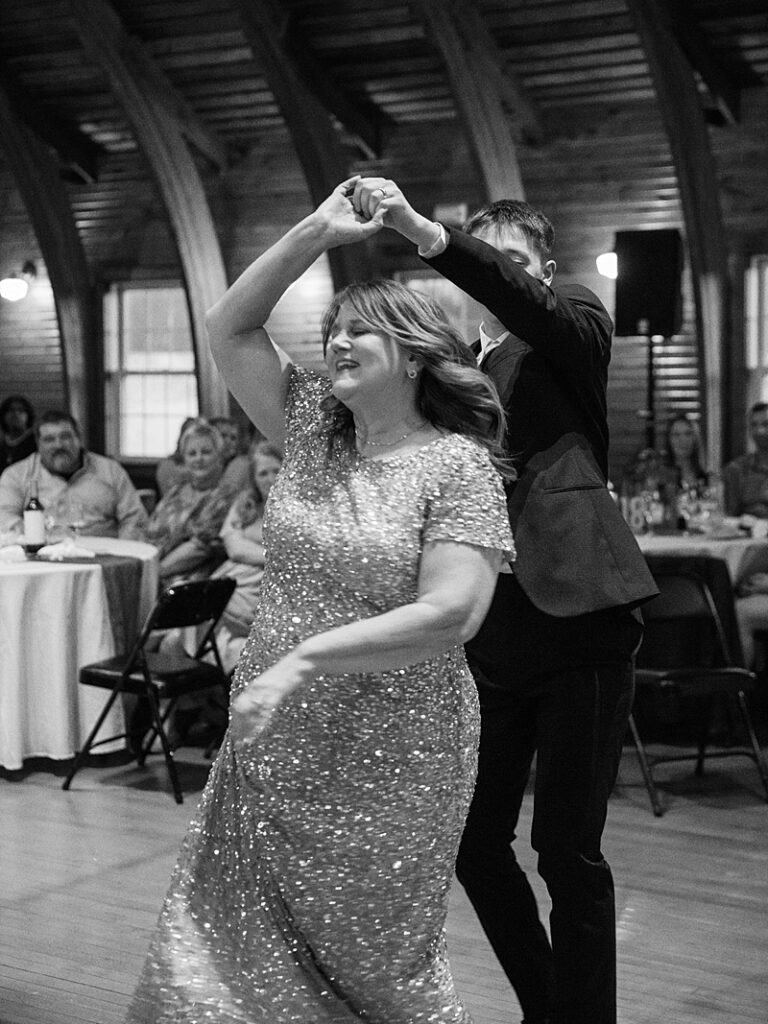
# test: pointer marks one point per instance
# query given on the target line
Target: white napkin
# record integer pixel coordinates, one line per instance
(64, 549)
(12, 553)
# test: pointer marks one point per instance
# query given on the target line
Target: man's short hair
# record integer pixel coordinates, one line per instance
(758, 407)
(57, 416)
(536, 227)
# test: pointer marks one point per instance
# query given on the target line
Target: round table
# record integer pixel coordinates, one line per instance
(742, 555)
(55, 617)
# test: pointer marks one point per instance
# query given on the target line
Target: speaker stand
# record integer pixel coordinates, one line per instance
(649, 413)
(650, 396)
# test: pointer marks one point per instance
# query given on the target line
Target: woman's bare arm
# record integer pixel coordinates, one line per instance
(254, 368)
(456, 584)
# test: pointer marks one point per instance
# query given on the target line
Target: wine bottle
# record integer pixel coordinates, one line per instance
(34, 522)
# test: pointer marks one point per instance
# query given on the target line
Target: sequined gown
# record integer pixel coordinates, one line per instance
(312, 885)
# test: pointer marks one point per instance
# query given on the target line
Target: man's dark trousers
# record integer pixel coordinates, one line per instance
(574, 720)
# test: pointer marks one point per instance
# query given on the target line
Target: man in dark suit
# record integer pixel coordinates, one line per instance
(553, 659)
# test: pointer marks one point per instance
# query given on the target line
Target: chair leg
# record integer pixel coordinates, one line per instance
(167, 752)
(218, 739)
(758, 754)
(82, 754)
(645, 768)
(153, 732)
(703, 737)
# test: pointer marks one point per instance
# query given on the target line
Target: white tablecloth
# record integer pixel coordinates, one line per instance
(742, 555)
(54, 617)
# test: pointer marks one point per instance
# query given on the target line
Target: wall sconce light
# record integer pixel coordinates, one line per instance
(16, 286)
(607, 265)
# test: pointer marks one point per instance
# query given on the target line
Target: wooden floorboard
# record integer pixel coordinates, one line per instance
(83, 874)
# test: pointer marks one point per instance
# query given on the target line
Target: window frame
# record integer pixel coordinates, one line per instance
(116, 373)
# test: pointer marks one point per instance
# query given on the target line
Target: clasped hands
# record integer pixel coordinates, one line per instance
(360, 207)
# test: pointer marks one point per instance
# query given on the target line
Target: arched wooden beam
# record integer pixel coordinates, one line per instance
(480, 88)
(362, 121)
(150, 102)
(36, 174)
(314, 137)
(683, 118)
(724, 92)
(78, 155)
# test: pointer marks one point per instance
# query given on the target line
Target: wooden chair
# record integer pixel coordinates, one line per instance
(685, 654)
(159, 678)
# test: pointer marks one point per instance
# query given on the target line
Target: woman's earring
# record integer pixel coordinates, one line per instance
(412, 372)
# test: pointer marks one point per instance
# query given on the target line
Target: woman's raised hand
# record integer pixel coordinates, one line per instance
(382, 199)
(344, 223)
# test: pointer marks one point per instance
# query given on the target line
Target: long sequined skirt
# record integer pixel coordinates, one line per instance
(312, 885)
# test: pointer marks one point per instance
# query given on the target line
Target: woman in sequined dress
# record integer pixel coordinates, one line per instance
(313, 883)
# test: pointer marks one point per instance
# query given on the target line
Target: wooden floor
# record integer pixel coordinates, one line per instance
(83, 873)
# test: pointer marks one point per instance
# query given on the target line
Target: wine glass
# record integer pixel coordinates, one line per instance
(75, 519)
(688, 507)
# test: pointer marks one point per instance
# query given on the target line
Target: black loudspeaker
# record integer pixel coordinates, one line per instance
(648, 296)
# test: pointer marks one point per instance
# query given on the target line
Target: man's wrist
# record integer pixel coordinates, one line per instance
(433, 246)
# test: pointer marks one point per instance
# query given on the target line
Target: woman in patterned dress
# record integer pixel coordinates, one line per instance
(185, 524)
(313, 884)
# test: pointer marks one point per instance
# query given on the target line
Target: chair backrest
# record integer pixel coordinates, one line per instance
(683, 628)
(189, 604)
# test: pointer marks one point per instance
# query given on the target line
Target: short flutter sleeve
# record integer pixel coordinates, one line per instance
(467, 503)
(306, 424)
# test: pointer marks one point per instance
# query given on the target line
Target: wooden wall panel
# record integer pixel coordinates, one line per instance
(30, 351)
(122, 222)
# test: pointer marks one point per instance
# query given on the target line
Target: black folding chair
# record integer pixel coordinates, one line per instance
(685, 654)
(161, 679)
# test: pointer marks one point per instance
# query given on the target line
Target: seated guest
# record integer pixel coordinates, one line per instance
(171, 470)
(751, 614)
(237, 467)
(185, 524)
(68, 476)
(683, 480)
(17, 430)
(242, 538)
(745, 480)
(681, 462)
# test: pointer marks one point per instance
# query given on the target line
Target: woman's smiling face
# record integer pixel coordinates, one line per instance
(361, 360)
(203, 460)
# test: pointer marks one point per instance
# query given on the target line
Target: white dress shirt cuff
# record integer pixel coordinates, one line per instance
(438, 246)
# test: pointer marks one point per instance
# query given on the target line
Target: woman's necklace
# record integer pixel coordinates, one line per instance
(397, 440)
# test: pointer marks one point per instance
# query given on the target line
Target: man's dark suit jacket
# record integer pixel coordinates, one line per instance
(575, 553)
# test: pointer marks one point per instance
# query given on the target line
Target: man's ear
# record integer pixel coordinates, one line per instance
(549, 271)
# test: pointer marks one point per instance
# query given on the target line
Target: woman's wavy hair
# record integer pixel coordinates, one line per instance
(257, 450)
(249, 503)
(453, 394)
(25, 403)
(696, 453)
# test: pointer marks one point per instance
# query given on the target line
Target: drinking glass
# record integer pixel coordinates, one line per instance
(75, 519)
